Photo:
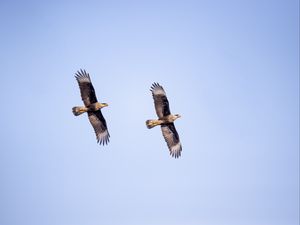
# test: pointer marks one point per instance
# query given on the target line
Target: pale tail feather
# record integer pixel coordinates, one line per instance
(152, 123)
(77, 110)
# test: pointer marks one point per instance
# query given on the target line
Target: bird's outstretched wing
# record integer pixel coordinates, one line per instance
(172, 138)
(87, 90)
(161, 102)
(99, 124)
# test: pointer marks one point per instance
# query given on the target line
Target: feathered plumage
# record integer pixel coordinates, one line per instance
(92, 107)
(161, 102)
(172, 138)
(87, 90)
(165, 119)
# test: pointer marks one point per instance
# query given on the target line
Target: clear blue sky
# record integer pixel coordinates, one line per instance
(230, 68)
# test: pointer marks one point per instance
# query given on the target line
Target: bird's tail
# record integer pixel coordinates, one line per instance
(152, 123)
(77, 110)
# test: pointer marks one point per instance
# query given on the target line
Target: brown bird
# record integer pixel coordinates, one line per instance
(165, 120)
(91, 106)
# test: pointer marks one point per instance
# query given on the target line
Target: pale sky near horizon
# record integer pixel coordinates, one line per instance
(230, 68)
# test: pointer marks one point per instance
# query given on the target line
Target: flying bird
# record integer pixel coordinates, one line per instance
(165, 120)
(91, 106)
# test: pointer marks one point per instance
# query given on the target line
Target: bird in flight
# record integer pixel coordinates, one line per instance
(91, 106)
(165, 120)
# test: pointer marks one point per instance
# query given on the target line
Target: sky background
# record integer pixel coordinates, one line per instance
(230, 68)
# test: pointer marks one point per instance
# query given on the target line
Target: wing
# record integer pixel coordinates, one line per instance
(87, 90)
(160, 100)
(99, 124)
(172, 138)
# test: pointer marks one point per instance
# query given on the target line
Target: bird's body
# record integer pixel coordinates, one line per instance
(91, 106)
(77, 110)
(165, 120)
(162, 121)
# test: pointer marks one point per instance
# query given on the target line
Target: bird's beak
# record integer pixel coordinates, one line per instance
(179, 116)
(104, 104)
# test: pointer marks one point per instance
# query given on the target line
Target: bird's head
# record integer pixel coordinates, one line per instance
(103, 105)
(177, 116)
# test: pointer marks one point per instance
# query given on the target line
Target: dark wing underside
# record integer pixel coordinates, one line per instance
(87, 90)
(172, 138)
(99, 124)
(161, 102)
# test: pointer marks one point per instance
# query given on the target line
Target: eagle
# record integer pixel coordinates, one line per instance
(165, 120)
(91, 106)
